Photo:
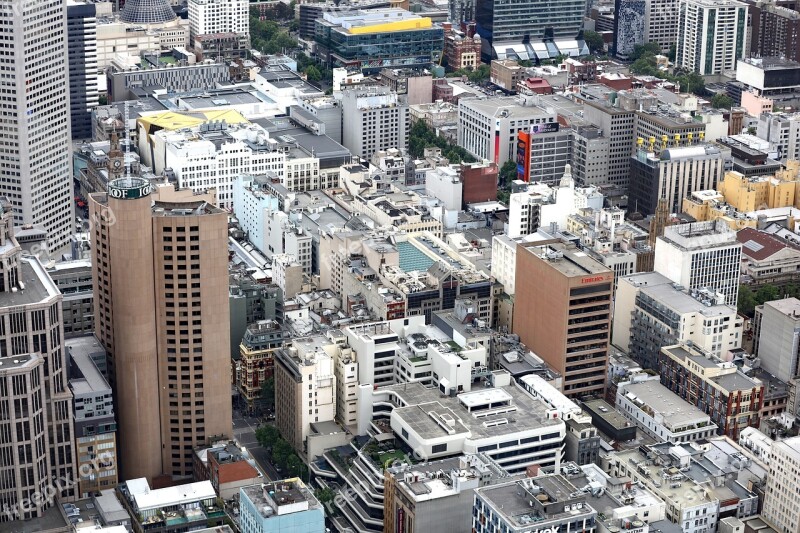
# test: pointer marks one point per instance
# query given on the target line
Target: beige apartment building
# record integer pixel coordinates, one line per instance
(562, 311)
(161, 293)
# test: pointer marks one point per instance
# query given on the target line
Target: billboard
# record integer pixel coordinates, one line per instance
(547, 127)
(523, 156)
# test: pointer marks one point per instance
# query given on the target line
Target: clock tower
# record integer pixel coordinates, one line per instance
(116, 159)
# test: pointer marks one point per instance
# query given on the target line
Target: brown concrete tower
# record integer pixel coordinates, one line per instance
(161, 288)
(562, 311)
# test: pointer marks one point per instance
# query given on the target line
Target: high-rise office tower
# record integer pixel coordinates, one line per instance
(82, 49)
(36, 425)
(161, 287)
(629, 26)
(562, 311)
(701, 255)
(711, 35)
(35, 144)
(527, 23)
(661, 23)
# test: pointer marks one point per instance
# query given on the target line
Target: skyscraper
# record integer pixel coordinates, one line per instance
(36, 426)
(161, 287)
(562, 311)
(35, 143)
(711, 35)
(82, 38)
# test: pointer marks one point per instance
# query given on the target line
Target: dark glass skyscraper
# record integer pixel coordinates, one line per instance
(528, 22)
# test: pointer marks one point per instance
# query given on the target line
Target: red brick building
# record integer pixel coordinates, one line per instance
(479, 182)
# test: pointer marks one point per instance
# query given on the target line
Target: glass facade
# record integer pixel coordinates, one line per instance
(374, 51)
(529, 20)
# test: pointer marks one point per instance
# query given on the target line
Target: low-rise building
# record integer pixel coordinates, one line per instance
(172, 509)
(424, 497)
(662, 414)
(286, 505)
(732, 399)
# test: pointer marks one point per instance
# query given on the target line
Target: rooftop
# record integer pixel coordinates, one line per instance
(521, 412)
(88, 379)
(280, 497)
(568, 260)
(37, 284)
(676, 412)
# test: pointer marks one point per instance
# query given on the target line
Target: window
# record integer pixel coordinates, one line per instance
(439, 448)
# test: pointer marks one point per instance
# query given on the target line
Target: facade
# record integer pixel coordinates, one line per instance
(286, 505)
(378, 38)
(37, 425)
(776, 328)
(662, 414)
(629, 26)
(82, 49)
(617, 124)
(74, 281)
(419, 416)
(701, 255)
(174, 260)
(732, 399)
(674, 174)
(661, 23)
(783, 482)
(36, 154)
(374, 119)
(650, 312)
(774, 30)
(123, 78)
(95, 426)
(557, 290)
(711, 35)
(305, 388)
(461, 50)
(219, 16)
(506, 74)
(421, 498)
(257, 358)
(495, 128)
(502, 25)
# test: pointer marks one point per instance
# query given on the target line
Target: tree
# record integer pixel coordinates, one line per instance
(508, 173)
(482, 73)
(294, 466)
(721, 101)
(645, 66)
(268, 392)
(281, 452)
(673, 52)
(267, 436)
(325, 495)
(692, 82)
(312, 73)
(644, 50)
(594, 41)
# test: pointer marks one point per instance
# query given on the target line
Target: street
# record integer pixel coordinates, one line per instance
(244, 431)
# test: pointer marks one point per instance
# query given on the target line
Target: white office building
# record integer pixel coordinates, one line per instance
(374, 119)
(219, 16)
(776, 327)
(712, 35)
(662, 414)
(783, 485)
(36, 151)
(651, 312)
(503, 422)
(701, 255)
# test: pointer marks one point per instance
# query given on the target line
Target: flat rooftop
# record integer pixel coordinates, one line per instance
(608, 412)
(281, 497)
(675, 411)
(38, 285)
(570, 261)
(509, 106)
(84, 377)
(529, 413)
